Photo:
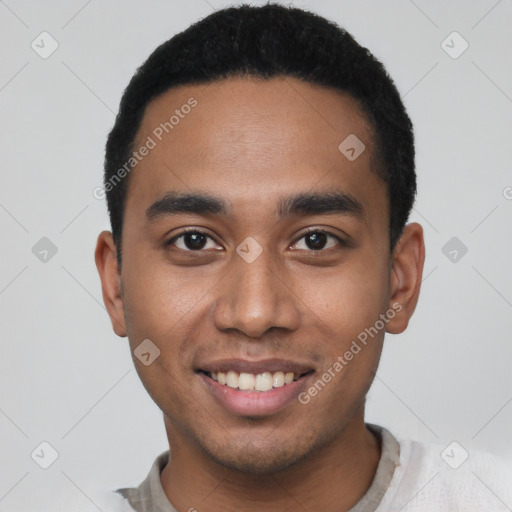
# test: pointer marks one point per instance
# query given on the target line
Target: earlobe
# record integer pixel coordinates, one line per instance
(406, 276)
(106, 263)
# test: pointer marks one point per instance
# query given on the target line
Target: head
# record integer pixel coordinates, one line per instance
(262, 228)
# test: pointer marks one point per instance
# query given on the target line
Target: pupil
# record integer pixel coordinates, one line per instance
(316, 240)
(198, 240)
(195, 240)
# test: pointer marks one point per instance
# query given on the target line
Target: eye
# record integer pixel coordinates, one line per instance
(192, 240)
(317, 239)
(195, 240)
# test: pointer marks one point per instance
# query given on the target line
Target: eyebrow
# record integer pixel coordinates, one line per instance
(331, 202)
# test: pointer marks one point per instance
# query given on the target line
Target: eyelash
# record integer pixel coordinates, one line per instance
(201, 232)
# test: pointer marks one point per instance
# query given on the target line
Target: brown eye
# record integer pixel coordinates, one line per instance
(317, 240)
(193, 240)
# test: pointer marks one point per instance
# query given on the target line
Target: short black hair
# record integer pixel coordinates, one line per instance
(270, 41)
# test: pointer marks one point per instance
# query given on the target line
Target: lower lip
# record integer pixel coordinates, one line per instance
(255, 403)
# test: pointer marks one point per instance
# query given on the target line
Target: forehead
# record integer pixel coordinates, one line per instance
(247, 139)
(246, 112)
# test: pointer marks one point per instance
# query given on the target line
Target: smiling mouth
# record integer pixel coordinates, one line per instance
(261, 382)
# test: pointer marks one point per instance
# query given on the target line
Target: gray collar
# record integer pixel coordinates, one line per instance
(149, 496)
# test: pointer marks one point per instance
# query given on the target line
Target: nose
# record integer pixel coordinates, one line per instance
(255, 297)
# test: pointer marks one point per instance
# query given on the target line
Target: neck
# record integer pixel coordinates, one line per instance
(334, 478)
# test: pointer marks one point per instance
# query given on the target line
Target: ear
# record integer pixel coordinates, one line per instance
(406, 275)
(106, 263)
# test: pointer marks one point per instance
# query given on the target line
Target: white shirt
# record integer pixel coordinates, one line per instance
(410, 477)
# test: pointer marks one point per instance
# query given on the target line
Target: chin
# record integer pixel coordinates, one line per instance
(259, 457)
(256, 462)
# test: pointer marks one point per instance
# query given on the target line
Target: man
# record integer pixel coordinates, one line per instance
(259, 178)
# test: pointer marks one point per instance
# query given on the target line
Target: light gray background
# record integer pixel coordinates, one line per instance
(65, 378)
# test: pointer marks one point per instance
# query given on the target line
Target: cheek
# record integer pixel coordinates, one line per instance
(169, 308)
(347, 300)
(158, 300)
(161, 309)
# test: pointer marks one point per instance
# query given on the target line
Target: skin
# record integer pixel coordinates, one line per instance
(251, 142)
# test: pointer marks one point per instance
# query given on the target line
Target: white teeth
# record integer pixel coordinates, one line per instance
(263, 382)
(232, 379)
(250, 382)
(278, 380)
(246, 381)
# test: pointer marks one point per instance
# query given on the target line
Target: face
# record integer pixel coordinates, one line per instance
(255, 252)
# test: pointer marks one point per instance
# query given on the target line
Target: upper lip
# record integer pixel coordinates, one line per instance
(255, 367)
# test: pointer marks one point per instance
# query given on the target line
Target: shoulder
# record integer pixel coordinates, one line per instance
(111, 498)
(452, 477)
(99, 499)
